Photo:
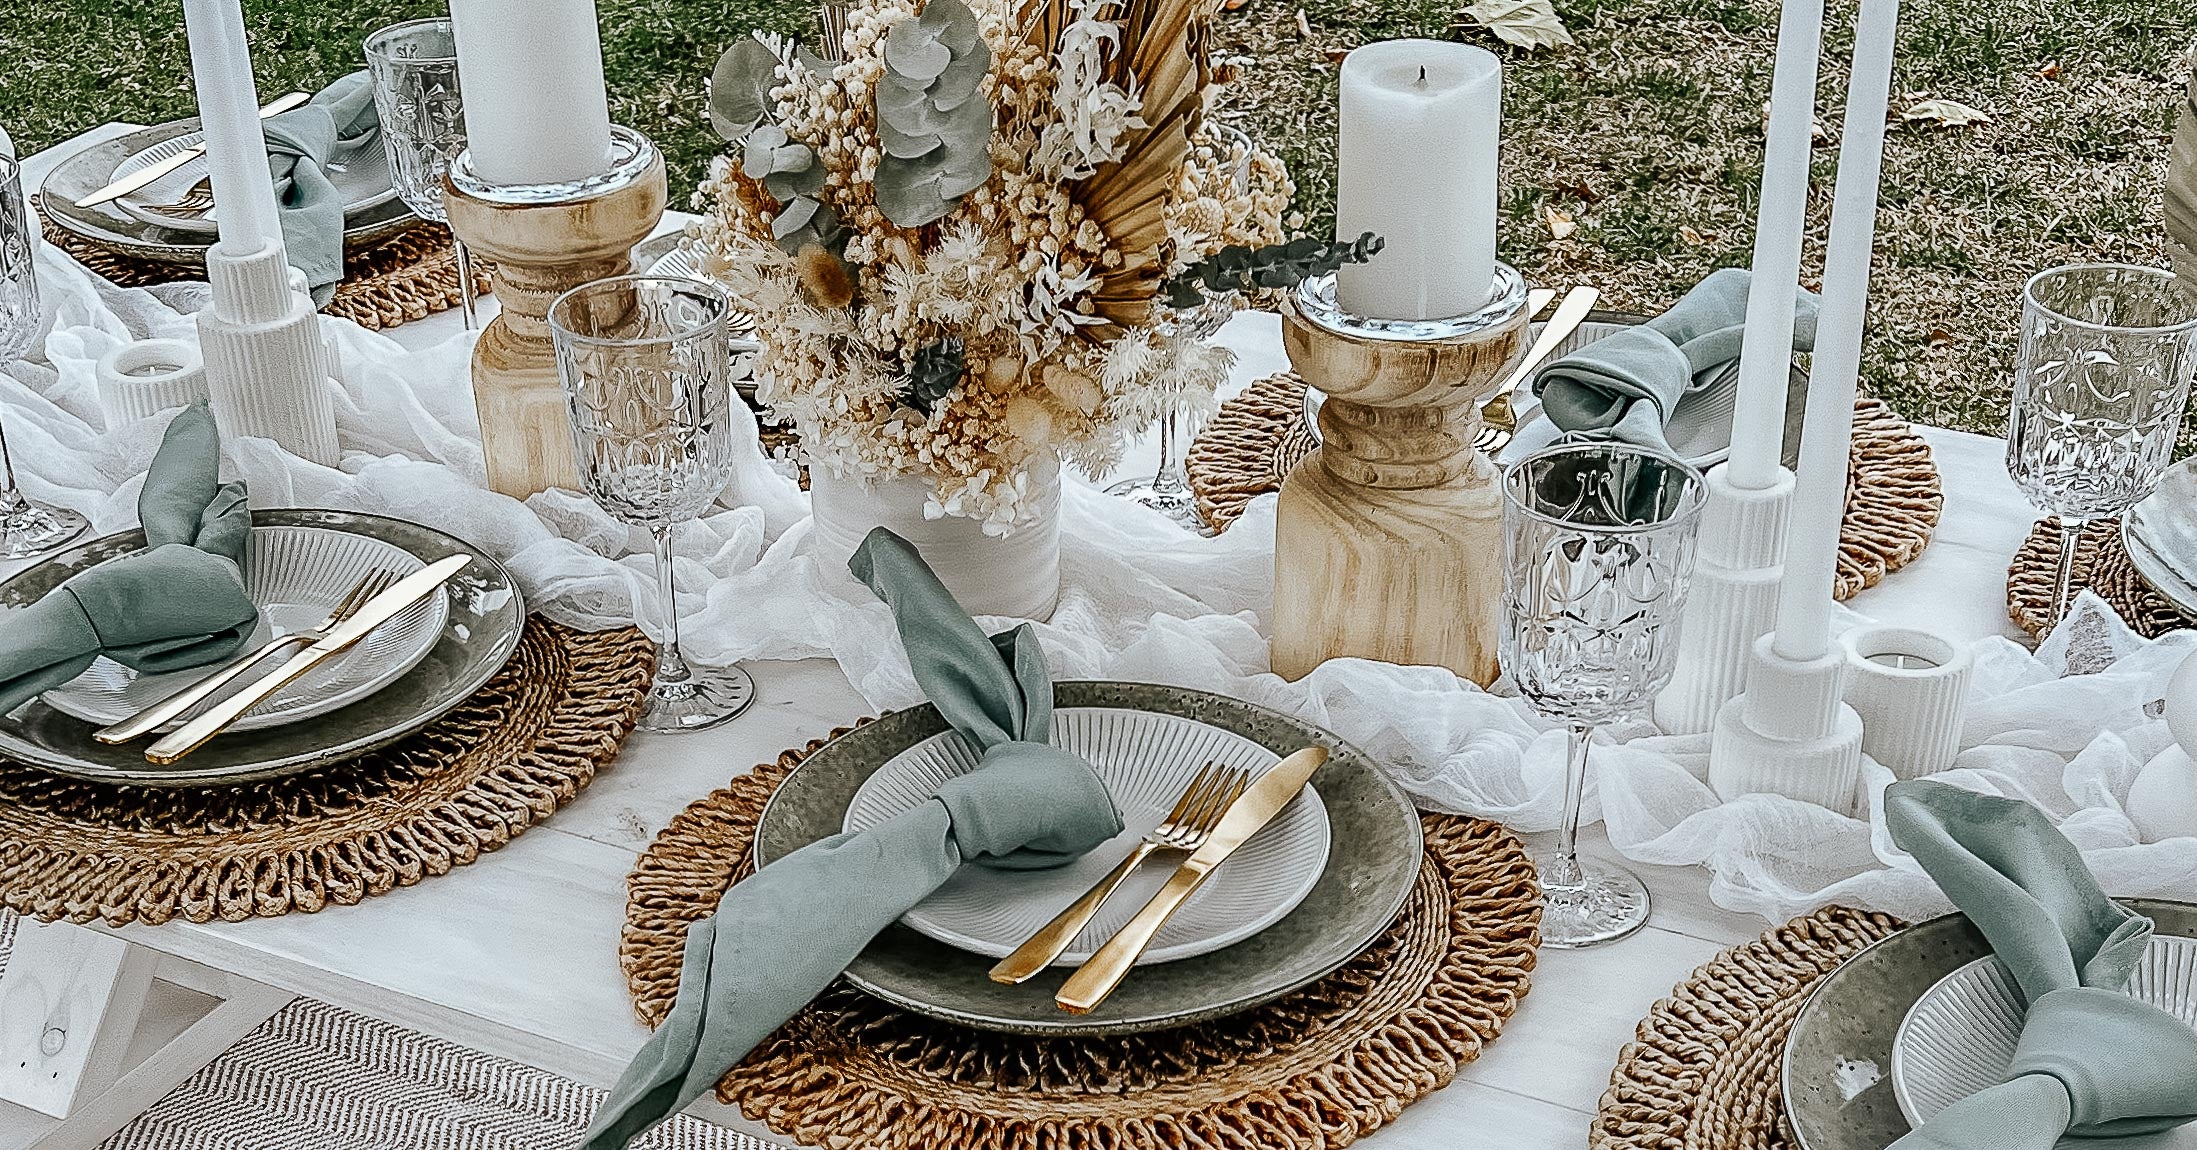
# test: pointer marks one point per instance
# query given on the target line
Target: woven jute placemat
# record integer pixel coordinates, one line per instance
(1313, 1070)
(2101, 564)
(408, 276)
(1892, 495)
(1702, 1071)
(522, 746)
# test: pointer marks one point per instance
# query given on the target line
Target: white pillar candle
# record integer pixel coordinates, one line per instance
(228, 110)
(1416, 167)
(535, 107)
(1766, 350)
(1819, 498)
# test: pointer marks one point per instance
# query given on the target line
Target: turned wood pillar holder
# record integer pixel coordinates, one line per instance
(1388, 538)
(545, 239)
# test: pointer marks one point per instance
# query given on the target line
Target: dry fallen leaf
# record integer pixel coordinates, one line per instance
(1945, 114)
(1528, 24)
(2049, 72)
(1939, 339)
(1560, 223)
(1335, 55)
(1578, 190)
(1304, 26)
(1694, 238)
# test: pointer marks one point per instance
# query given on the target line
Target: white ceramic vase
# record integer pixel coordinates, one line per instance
(1016, 575)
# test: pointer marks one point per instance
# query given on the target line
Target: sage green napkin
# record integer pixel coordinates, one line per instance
(180, 603)
(334, 127)
(780, 937)
(2091, 1062)
(1627, 384)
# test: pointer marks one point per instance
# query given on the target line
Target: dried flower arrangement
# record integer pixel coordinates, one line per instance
(971, 240)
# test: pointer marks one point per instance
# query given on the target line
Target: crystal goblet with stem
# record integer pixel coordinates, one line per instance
(646, 371)
(26, 528)
(2100, 385)
(1598, 548)
(414, 67)
(1167, 489)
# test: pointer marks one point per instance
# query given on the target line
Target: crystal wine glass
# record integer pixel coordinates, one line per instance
(1598, 549)
(2099, 387)
(1167, 489)
(414, 66)
(645, 367)
(26, 528)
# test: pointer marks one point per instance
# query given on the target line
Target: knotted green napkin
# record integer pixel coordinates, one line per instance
(1627, 385)
(180, 603)
(779, 938)
(333, 128)
(2091, 1062)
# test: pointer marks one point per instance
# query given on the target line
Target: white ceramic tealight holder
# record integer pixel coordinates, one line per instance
(1732, 600)
(1790, 733)
(2162, 799)
(267, 363)
(142, 379)
(1910, 688)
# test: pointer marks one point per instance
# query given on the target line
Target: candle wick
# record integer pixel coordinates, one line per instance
(1422, 73)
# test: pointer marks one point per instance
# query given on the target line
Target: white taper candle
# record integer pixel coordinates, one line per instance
(228, 111)
(1766, 350)
(1420, 120)
(1811, 555)
(535, 107)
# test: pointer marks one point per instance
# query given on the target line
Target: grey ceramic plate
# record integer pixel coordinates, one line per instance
(1838, 1062)
(1370, 869)
(486, 615)
(109, 227)
(2160, 534)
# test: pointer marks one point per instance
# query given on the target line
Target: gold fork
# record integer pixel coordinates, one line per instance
(196, 201)
(1185, 829)
(174, 706)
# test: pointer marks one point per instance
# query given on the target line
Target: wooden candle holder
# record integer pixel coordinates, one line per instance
(545, 239)
(1388, 538)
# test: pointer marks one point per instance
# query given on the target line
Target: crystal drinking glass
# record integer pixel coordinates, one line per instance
(1597, 552)
(645, 367)
(414, 66)
(1167, 489)
(26, 528)
(2099, 388)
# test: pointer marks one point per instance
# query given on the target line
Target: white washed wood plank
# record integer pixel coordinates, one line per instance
(68, 1008)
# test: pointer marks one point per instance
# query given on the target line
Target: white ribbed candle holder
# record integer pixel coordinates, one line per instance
(1731, 602)
(267, 363)
(1790, 733)
(1910, 688)
(142, 379)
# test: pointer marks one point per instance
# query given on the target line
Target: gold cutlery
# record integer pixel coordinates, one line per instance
(195, 201)
(1260, 802)
(1209, 795)
(152, 172)
(378, 610)
(1499, 420)
(173, 707)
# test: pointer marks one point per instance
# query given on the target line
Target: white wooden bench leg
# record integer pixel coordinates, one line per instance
(70, 1003)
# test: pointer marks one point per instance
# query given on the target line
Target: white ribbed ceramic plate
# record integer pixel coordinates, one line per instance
(1146, 760)
(296, 576)
(1959, 1036)
(2160, 534)
(363, 179)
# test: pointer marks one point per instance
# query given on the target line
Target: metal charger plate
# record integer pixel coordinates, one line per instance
(109, 227)
(1374, 859)
(1842, 1038)
(486, 617)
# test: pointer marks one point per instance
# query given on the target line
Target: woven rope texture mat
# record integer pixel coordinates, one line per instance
(522, 746)
(2101, 564)
(1316, 1069)
(1702, 1071)
(408, 276)
(1892, 494)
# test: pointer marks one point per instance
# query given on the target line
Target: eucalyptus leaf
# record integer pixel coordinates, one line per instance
(937, 139)
(739, 89)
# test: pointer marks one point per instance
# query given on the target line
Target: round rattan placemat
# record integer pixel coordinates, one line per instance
(522, 746)
(2101, 564)
(1702, 1071)
(1892, 495)
(1316, 1069)
(408, 276)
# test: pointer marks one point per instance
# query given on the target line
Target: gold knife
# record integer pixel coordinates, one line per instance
(378, 610)
(1569, 315)
(148, 174)
(1098, 977)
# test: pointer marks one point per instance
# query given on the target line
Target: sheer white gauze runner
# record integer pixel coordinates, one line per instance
(1142, 600)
